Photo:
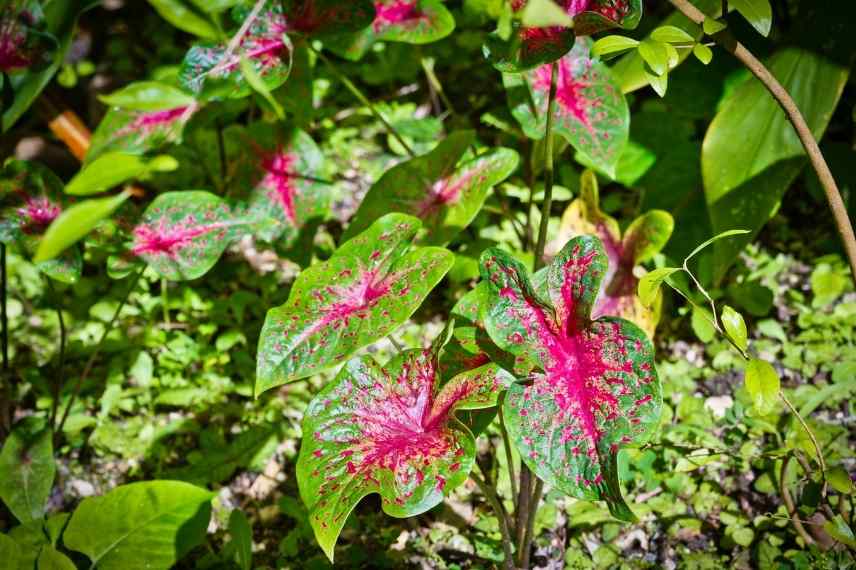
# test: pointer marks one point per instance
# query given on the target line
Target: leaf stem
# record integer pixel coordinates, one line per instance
(780, 94)
(490, 494)
(56, 389)
(813, 439)
(434, 83)
(509, 457)
(789, 502)
(355, 91)
(89, 364)
(525, 548)
(548, 172)
(165, 300)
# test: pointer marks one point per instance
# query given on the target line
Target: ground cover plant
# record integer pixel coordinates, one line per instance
(425, 283)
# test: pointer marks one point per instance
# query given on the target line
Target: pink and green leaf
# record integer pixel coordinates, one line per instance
(429, 187)
(591, 111)
(24, 42)
(182, 234)
(388, 430)
(31, 197)
(371, 285)
(327, 17)
(407, 21)
(138, 132)
(596, 388)
(530, 47)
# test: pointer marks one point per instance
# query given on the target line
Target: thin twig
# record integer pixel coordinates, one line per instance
(491, 497)
(824, 174)
(236, 40)
(789, 502)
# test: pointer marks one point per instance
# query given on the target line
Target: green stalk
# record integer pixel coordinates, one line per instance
(60, 378)
(548, 172)
(490, 494)
(165, 300)
(355, 91)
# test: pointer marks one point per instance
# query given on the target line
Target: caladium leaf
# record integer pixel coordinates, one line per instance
(31, 197)
(431, 188)
(182, 234)
(591, 111)
(284, 170)
(596, 389)
(408, 21)
(327, 17)
(389, 430)
(138, 132)
(644, 238)
(24, 41)
(530, 47)
(372, 284)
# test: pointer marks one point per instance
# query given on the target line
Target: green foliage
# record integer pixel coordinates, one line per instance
(27, 470)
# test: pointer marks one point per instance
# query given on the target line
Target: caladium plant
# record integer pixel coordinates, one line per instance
(371, 285)
(181, 235)
(446, 197)
(23, 41)
(389, 430)
(643, 238)
(591, 112)
(530, 47)
(408, 21)
(31, 197)
(595, 388)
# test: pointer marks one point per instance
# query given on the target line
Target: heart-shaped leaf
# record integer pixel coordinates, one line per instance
(182, 234)
(596, 389)
(645, 237)
(591, 111)
(31, 198)
(530, 47)
(431, 188)
(284, 170)
(391, 431)
(138, 132)
(408, 21)
(371, 285)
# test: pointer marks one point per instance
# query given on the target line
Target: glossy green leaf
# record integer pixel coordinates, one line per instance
(181, 235)
(735, 327)
(115, 168)
(52, 559)
(370, 285)
(763, 384)
(591, 112)
(703, 53)
(655, 55)
(31, 198)
(148, 96)
(758, 13)
(611, 45)
(148, 525)
(748, 149)
(672, 35)
(649, 284)
(389, 430)
(27, 470)
(596, 389)
(445, 197)
(75, 223)
(182, 16)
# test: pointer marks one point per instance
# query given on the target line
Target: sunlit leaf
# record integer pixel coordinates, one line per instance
(148, 96)
(114, 168)
(177, 13)
(596, 389)
(735, 327)
(763, 384)
(371, 285)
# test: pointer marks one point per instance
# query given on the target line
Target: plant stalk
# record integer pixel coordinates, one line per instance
(780, 94)
(355, 91)
(492, 498)
(4, 317)
(56, 388)
(548, 172)
(526, 547)
(165, 300)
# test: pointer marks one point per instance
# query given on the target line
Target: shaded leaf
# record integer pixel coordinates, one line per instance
(148, 96)
(52, 559)
(177, 13)
(27, 470)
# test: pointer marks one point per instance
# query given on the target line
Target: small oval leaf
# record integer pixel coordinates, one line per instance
(763, 385)
(735, 327)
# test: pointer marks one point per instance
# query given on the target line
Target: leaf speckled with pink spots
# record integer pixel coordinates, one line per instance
(371, 285)
(137, 132)
(591, 111)
(389, 430)
(596, 389)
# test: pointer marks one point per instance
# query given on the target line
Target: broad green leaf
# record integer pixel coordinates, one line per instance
(611, 45)
(751, 153)
(544, 14)
(445, 197)
(27, 470)
(10, 552)
(371, 284)
(115, 168)
(840, 531)
(703, 53)
(649, 284)
(672, 35)
(735, 327)
(181, 235)
(596, 388)
(655, 55)
(148, 96)
(148, 525)
(52, 559)
(763, 384)
(182, 16)
(758, 13)
(75, 223)
(242, 539)
(530, 47)
(137, 132)
(407, 21)
(31, 198)
(839, 479)
(389, 430)
(591, 113)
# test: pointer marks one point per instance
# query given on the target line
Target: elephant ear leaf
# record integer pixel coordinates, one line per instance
(596, 390)
(182, 234)
(390, 431)
(371, 285)
(591, 112)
